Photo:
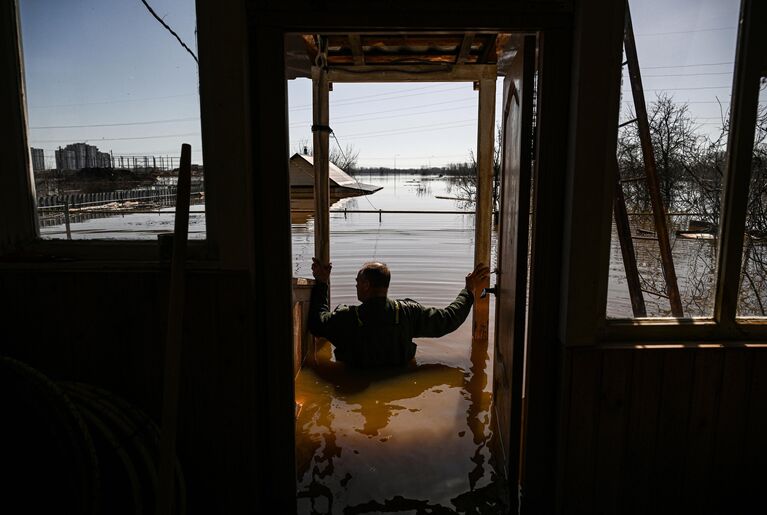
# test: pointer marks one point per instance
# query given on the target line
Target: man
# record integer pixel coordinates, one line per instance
(380, 331)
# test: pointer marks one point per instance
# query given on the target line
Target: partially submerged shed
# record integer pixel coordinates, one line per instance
(342, 184)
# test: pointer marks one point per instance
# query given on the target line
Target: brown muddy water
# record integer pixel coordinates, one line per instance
(418, 440)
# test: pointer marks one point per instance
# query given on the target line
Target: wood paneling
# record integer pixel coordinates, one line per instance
(665, 430)
(513, 232)
(106, 327)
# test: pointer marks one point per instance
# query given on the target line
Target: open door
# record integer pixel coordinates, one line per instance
(514, 221)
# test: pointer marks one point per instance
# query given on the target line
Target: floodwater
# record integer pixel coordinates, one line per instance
(419, 440)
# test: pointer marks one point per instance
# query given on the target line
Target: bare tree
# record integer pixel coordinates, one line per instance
(464, 185)
(345, 159)
(691, 169)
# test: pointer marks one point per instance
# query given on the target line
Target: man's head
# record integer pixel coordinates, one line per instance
(373, 281)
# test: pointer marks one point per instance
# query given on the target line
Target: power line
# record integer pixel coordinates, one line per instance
(171, 120)
(96, 140)
(437, 127)
(687, 74)
(684, 89)
(162, 22)
(684, 31)
(430, 86)
(377, 99)
(684, 65)
(103, 102)
(356, 119)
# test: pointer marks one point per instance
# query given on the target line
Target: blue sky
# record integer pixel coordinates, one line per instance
(108, 73)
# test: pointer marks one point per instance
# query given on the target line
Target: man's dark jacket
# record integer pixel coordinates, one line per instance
(380, 331)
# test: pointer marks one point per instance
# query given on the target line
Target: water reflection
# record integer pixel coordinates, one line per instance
(393, 440)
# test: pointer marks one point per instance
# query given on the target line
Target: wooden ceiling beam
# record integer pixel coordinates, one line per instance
(311, 47)
(411, 73)
(468, 39)
(396, 59)
(356, 45)
(490, 50)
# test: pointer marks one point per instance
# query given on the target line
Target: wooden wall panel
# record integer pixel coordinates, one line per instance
(731, 425)
(753, 467)
(581, 444)
(665, 430)
(698, 485)
(612, 430)
(673, 419)
(645, 385)
(107, 327)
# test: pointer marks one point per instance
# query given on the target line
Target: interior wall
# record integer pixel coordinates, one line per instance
(665, 430)
(107, 328)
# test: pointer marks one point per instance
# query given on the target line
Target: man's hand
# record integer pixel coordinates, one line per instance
(476, 279)
(321, 271)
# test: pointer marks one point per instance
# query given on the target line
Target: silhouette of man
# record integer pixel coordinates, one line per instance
(380, 331)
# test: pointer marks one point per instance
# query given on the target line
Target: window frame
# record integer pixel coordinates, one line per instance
(724, 326)
(20, 239)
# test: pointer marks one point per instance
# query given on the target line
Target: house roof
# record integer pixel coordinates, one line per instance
(338, 177)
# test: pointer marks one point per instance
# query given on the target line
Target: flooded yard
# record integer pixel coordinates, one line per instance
(419, 441)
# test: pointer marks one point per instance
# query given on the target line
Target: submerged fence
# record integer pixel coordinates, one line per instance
(79, 207)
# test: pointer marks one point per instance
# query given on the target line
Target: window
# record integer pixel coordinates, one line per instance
(752, 298)
(686, 63)
(111, 96)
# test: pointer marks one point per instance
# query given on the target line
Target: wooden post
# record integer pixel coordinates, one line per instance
(173, 340)
(627, 248)
(66, 219)
(653, 186)
(484, 211)
(321, 132)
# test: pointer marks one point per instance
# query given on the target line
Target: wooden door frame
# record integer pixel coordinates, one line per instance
(518, 163)
(272, 22)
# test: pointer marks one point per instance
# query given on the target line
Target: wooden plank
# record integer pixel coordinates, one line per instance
(271, 371)
(412, 41)
(653, 182)
(356, 46)
(692, 330)
(174, 339)
(752, 46)
(484, 218)
(513, 232)
(638, 478)
(18, 216)
(699, 489)
(627, 248)
(673, 418)
(754, 463)
(321, 119)
(222, 49)
(413, 73)
(581, 431)
(543, 437)
(591, 151)
(612, 427)
(490, 52)
(463, 52)
(730, 431)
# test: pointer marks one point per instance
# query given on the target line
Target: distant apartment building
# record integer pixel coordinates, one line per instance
(38, 159)
(77, 156)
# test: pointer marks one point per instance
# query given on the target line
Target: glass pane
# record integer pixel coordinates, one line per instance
(752, 299)
(686, 60)
(111, 96)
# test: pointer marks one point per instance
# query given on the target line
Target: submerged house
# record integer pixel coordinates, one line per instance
(341, 184)
(597, 415)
